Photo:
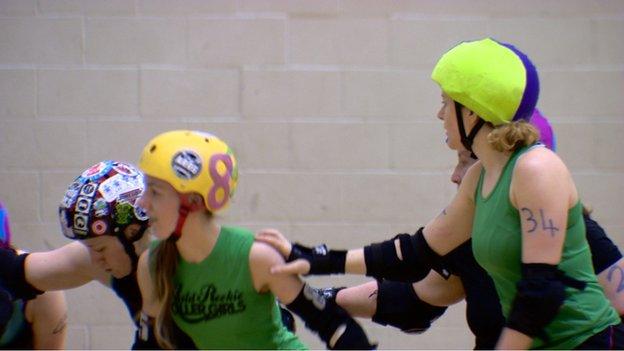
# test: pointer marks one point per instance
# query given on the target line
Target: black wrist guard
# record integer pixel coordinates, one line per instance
(382, 261)
(330, 293)
(541, 292)
(327, 319)
(321, 259)
(145, 337)
(13, 275)
(399, 306)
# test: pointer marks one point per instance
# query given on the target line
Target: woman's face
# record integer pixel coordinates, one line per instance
(108, 253)
(161, 202)
(447, 115)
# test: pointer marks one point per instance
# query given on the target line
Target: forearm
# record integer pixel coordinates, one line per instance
(396, 304)
(438, 291)
(359, 301)
(355, 263)
(404, 258)
(511, 339)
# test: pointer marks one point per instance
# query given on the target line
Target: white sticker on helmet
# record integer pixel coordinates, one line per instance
(119, 184)
(186, 164)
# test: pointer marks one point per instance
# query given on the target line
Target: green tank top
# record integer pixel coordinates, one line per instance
(216, 304)
(497, 246)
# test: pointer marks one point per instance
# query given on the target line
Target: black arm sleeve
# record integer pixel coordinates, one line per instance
(13, 275)
(604, 252)
(382, 261)
(326, 318)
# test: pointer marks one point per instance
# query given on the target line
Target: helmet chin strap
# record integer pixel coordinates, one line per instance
(185, 208)
(183, 212)
(128, 244)
(467, 140)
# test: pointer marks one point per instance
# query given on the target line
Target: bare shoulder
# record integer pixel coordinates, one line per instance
(261, 258)
(540, 174)
(264, 254)
(539, 159)
(539, 168)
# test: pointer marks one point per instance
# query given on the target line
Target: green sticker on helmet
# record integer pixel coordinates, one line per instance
(123, 213)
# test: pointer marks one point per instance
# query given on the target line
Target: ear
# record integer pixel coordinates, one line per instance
(470, 118)
(196, 202)
(193, 201)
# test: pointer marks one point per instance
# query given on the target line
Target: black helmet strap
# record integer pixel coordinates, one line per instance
(467, 140)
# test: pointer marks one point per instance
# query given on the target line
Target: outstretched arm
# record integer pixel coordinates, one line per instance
(402, 258)
(25, 275)
(67, 267)
(411, 307)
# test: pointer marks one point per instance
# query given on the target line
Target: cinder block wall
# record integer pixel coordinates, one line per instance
(328, 104)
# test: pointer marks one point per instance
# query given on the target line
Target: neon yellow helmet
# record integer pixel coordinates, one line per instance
(495, 80)
(193, 162)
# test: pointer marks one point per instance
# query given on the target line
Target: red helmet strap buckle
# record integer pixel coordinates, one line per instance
(186, 206)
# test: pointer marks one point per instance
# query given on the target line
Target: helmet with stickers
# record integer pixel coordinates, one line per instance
(102, 201)
(193, 162)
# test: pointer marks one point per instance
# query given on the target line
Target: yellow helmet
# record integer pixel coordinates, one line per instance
(193, 162)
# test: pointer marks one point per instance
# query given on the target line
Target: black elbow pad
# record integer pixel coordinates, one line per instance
(540, 294)
(382, 261)
(398, 305)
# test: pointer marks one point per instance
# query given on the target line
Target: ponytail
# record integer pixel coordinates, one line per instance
(165, 263)
(511, 136)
